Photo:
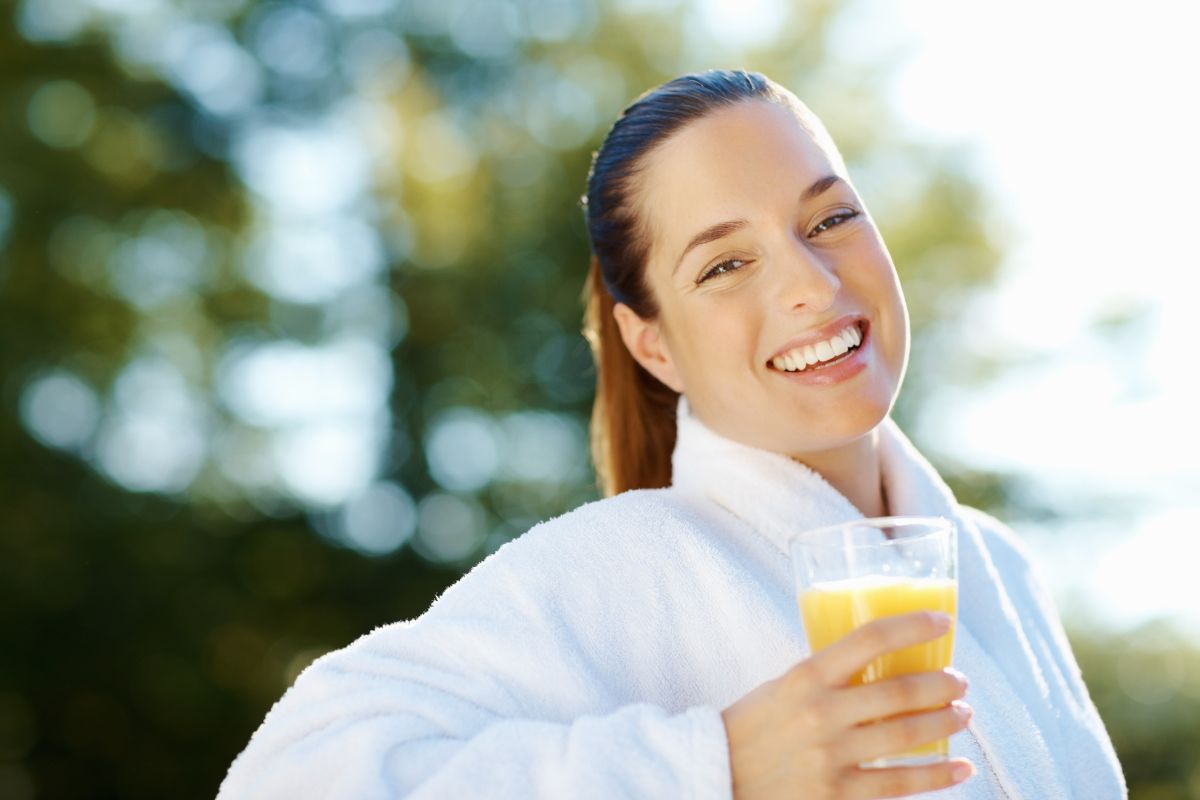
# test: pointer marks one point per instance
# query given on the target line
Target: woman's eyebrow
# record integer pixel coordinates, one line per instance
(722, 229)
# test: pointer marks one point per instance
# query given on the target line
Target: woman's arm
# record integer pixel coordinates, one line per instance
(353, 734)
(495, 691)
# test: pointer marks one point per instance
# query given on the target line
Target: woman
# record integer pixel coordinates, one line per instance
(648, 644)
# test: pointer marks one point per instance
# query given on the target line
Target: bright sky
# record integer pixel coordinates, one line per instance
(1084, 116)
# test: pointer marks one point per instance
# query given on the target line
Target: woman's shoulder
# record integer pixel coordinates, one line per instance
(1002, 542)
(590, 543)
(609, 520)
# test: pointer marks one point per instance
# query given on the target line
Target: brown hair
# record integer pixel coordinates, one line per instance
(633, 418)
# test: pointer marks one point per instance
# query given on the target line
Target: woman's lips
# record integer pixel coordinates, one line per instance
(822, 334)
(841, 369)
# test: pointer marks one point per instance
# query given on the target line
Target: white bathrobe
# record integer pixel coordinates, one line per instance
(591, 657)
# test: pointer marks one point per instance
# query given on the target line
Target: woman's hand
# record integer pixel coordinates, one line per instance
(802, 735)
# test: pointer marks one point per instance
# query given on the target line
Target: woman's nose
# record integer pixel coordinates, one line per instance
(806, 278)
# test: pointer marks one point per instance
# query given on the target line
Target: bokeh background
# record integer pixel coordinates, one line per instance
(290, 326)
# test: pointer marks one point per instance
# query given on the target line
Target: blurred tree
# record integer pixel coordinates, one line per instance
(1146, 686)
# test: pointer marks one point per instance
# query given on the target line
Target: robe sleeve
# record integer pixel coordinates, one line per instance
(490, 693)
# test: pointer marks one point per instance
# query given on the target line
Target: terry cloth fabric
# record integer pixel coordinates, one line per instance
(591, 657)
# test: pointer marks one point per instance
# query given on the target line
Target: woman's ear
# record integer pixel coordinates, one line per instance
(647, 345)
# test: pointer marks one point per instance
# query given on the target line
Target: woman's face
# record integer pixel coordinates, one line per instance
(802, 266)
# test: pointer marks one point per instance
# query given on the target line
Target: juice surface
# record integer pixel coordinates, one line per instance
(831, 610)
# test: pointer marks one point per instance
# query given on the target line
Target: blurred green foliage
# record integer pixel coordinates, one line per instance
(1146, 686)
(157, 599)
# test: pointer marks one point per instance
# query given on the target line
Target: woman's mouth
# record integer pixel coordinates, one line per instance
(838, 367)
(823, 355)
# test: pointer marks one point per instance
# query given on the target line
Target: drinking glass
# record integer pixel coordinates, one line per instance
(852, 573)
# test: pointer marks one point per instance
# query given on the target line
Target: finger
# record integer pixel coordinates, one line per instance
(862, 784)
(837, 664)
(917, 691)
(902, 734)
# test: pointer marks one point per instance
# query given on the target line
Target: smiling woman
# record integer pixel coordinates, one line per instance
(751, 337)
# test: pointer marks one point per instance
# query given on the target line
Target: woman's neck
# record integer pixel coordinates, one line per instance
(855, 471)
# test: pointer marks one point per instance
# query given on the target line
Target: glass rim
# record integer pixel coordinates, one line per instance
(938, 523)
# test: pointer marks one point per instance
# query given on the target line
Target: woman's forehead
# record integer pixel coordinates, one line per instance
(721, 167)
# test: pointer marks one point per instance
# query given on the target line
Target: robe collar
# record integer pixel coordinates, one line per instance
(780, 497)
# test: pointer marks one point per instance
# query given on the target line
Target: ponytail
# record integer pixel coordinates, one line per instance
(633, 417)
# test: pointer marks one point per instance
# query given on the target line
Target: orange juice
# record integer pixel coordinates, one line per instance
(831, 610)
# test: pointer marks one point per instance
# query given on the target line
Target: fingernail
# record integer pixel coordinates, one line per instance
(941, 620)
(962, 771)
(961, 710)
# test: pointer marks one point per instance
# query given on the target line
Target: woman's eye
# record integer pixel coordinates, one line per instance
(844, 215)
(831, 222)
(718, 268)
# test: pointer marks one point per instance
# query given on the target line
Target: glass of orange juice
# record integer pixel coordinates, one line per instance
(858, 571)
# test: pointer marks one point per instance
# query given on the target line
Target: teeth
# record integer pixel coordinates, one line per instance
(838, 345)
